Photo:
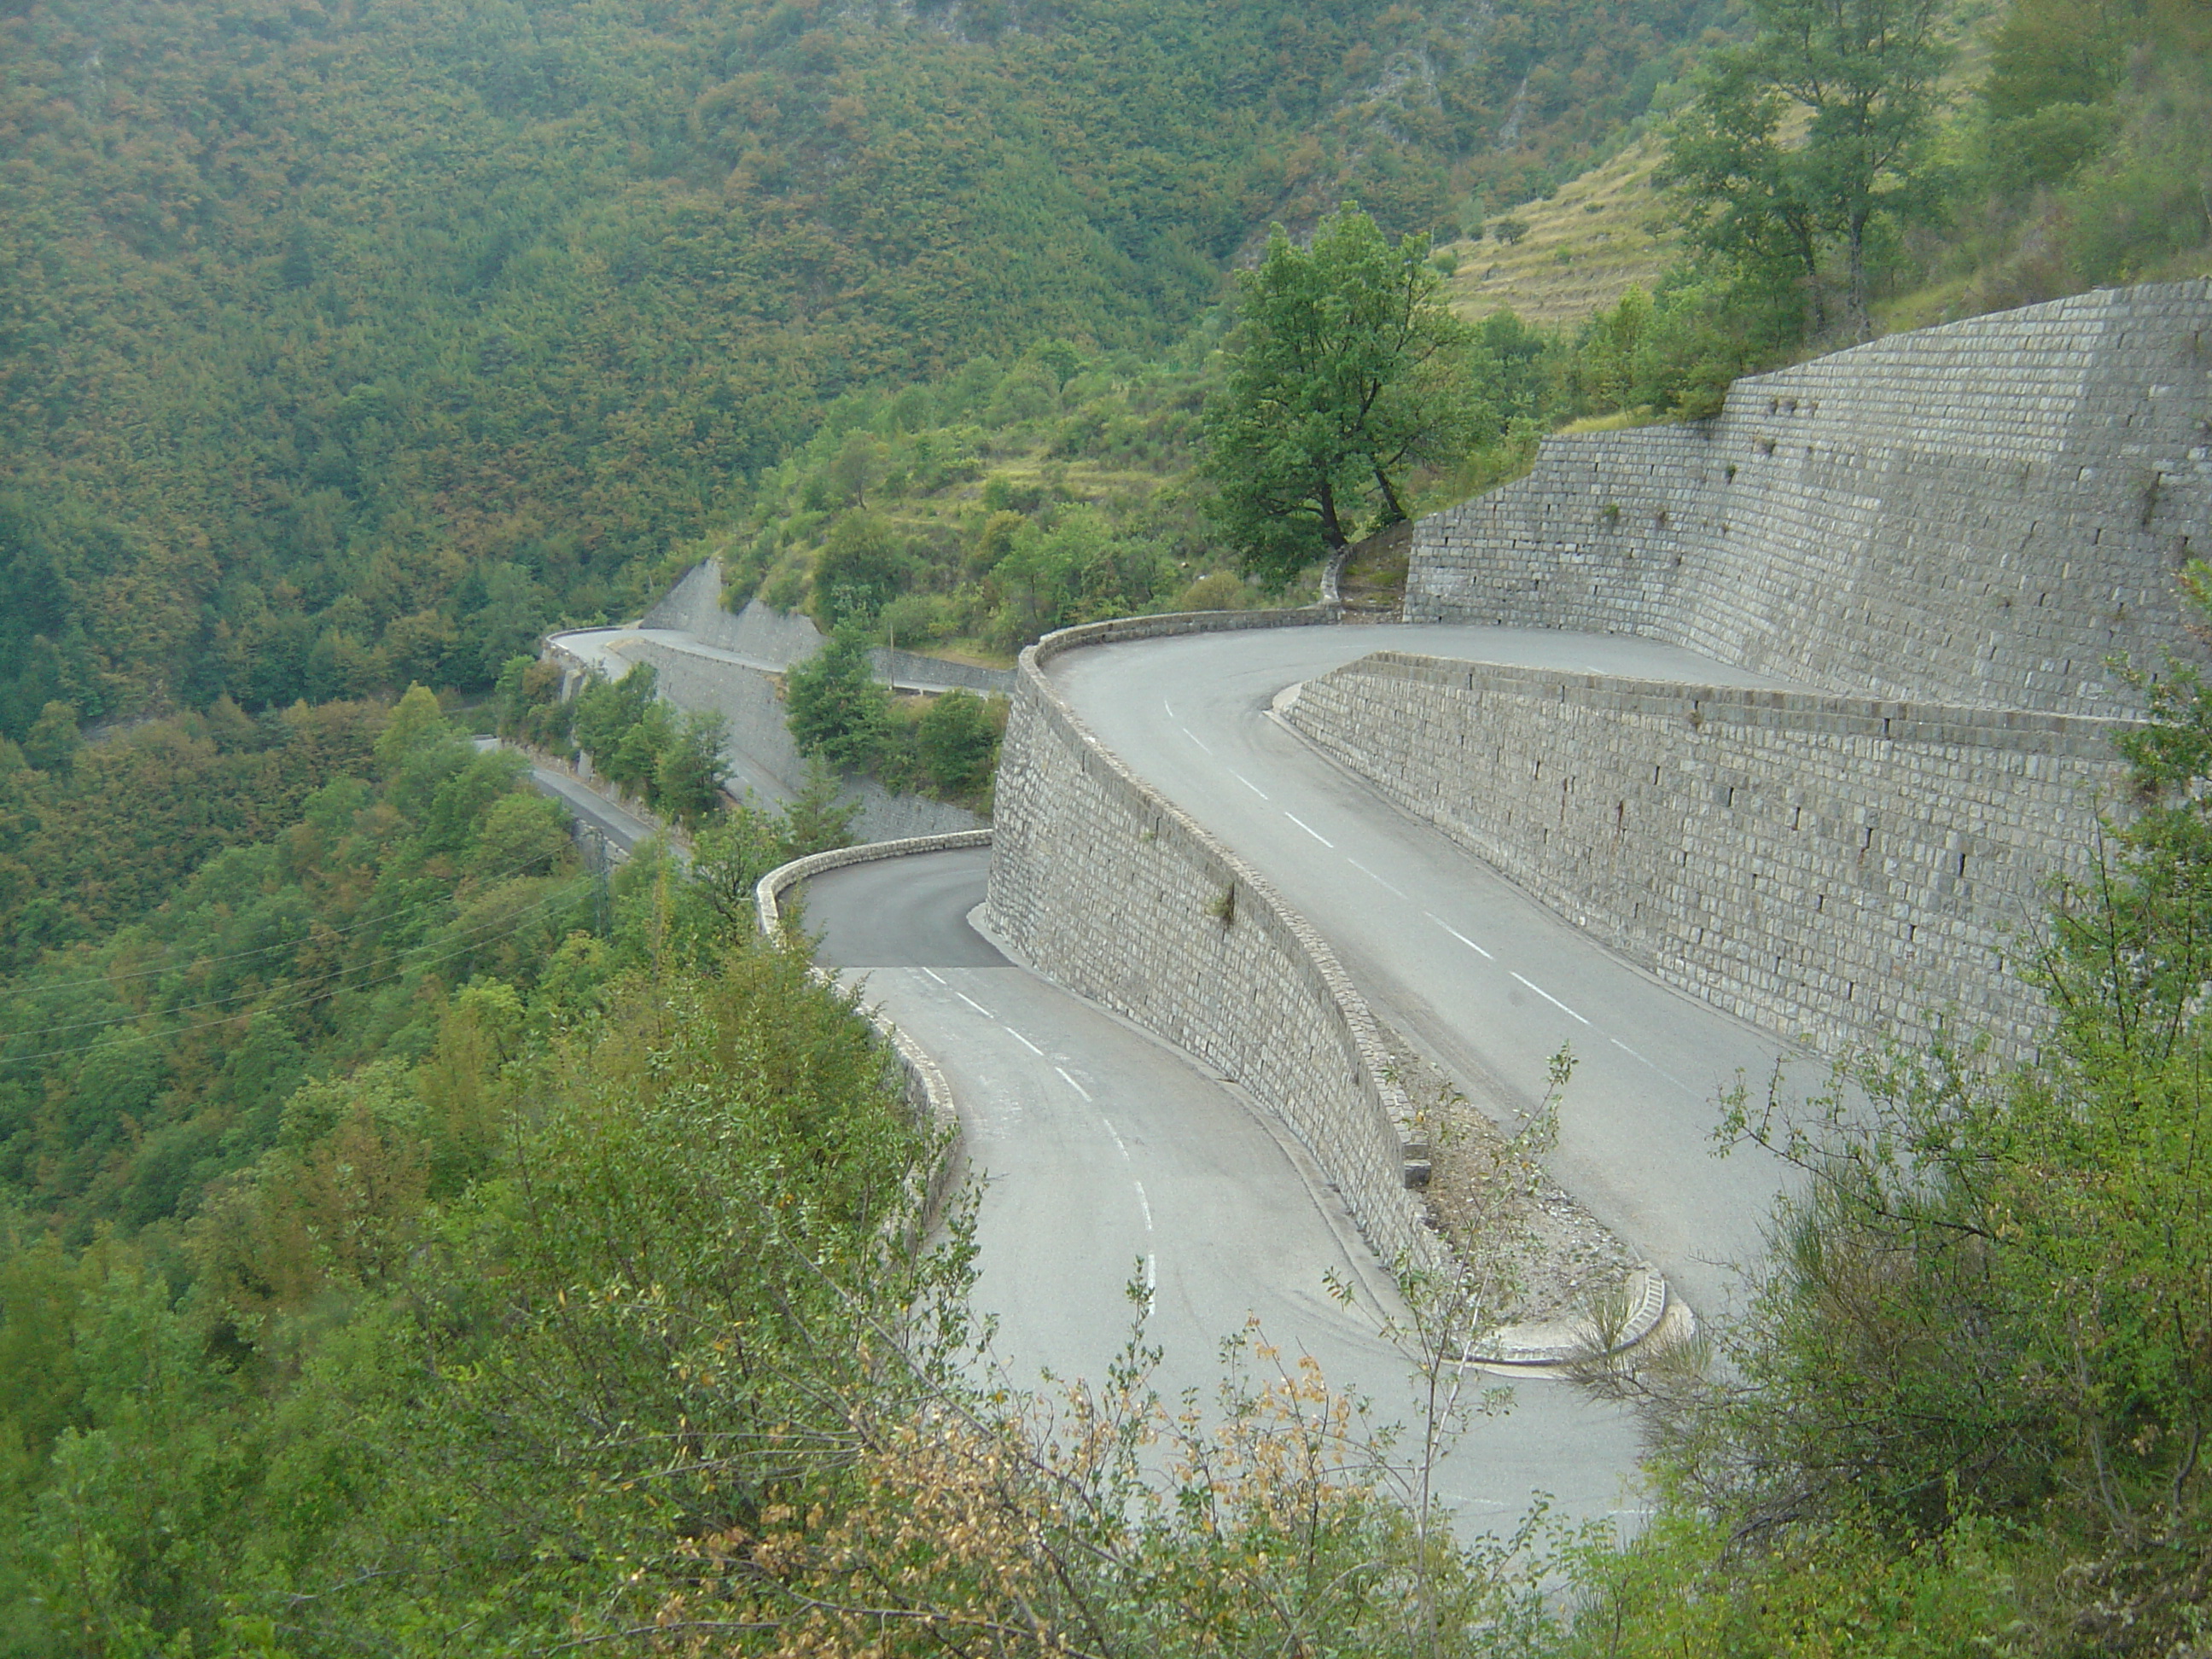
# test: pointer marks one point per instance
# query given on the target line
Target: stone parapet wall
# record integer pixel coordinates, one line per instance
(929, 1098)
(1113, 892)
(1833, 866)
(1980, 513)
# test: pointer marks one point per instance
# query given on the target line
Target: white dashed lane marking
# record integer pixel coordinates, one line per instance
(939, 978)
(1372, 877)
(1023, 1041)
(1247, 783)
(1310, 830)
(1144, 1204)
(1549, 998)
(976, 1005)
(1468, 942)
(1073, 1084)
(1654, 1065)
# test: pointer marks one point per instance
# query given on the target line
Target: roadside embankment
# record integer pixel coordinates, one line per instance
(928, 1095)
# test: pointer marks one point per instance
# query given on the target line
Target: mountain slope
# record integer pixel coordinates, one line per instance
(343, 344)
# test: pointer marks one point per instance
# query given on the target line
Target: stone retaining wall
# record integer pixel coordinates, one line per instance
(1826, 866)
(1117, 893)
(777, 639)
(1978, 513)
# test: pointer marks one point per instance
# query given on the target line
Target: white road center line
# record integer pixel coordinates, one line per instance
(1114, 1131)
(1073, 1084)
(1193, 737)
(1247, 783)
(1468, 942)
(1144, 1204)
(1549, 998)
(1372, 877)
(1023, 1041)
(1655, 1066)
(1310, 830)
(940, 980)
(976, 1005)
(1152, 1273)
(1169, 707)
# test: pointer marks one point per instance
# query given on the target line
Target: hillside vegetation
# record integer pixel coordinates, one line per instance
(1556, 261)
(414, 1242)
(346, 344)
(2036, 150)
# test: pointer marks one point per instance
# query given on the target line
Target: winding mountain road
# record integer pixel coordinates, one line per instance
(1489, 983)
(1109, 1159)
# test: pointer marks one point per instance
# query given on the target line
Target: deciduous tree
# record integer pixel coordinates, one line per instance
(1346, 372)
(1803, 141)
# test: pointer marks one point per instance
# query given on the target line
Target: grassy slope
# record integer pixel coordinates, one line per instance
(1585, 246)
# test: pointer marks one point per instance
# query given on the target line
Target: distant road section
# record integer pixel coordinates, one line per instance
(622, 828)
(759, 758)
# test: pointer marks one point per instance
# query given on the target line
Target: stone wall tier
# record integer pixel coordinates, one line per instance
(1983, 512)
(1834, 868)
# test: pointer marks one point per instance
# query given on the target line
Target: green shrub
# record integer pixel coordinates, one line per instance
(835, 707)
(956, 740)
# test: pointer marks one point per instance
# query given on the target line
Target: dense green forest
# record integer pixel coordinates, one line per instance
(411, 1241)
(347, 344)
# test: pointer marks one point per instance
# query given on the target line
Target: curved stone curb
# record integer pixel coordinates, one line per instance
(1552, 1343)
(928, 1095)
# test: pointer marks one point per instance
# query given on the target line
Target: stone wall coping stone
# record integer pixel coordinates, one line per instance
(1877, 717)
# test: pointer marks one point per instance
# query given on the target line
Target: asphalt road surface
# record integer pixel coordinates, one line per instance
(622, 828)
(1110, 1160)
(1487, 980)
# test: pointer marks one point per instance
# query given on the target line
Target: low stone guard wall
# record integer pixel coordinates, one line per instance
(1831, 865)
(928, 1095)
(1117, 893)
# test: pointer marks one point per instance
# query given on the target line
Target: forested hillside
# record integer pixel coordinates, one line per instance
(343, 344)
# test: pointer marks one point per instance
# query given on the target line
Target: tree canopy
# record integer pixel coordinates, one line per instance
(343, 345)
(1862, 77)
(1347, 371)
